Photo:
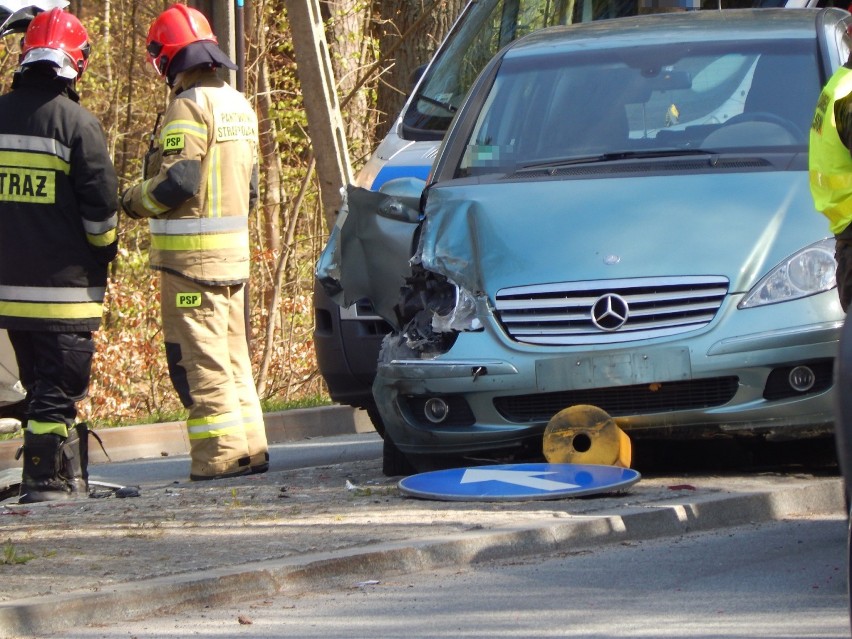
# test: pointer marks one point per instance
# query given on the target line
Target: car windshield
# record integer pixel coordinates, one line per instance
(486, 26)
(655, 100)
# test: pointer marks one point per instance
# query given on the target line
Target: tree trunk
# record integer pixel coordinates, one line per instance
(270, 153)
(412, 48)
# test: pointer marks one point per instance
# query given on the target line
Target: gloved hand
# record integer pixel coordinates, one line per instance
(125, 205)
(151, 163)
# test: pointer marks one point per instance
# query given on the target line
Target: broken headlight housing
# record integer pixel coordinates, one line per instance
(435, 310)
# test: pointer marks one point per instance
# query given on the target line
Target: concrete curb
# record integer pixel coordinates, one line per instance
(162, 440)
(54, 612)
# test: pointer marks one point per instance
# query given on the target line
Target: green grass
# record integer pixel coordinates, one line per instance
(274, 405)
(13, 555)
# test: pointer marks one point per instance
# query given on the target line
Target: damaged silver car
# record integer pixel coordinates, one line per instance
(618, 216)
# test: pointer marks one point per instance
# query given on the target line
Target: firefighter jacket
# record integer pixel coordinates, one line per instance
(205, 183)
(58, 202)
(829, 157)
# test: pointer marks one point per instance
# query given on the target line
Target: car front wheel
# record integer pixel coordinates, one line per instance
(394, 462)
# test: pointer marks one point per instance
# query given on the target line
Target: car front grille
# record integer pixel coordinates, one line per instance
(609, 311)
(638, 399)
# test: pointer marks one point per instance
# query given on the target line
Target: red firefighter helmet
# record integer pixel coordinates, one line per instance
(173, 30)
(57, 38)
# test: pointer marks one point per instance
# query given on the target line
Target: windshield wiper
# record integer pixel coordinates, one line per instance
(617, 155)
(444, 105)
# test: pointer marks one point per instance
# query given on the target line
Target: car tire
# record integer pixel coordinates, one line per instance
(375, 417)
(394, 462)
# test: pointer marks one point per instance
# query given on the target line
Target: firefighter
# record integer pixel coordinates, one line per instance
(199, 185)
(830, 163)
(58, 204)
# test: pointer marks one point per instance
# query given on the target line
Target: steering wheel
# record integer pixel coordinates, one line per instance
(766, 116)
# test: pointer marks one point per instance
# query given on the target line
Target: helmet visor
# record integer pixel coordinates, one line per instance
(160, 62)
(65, 67)
(154, 48)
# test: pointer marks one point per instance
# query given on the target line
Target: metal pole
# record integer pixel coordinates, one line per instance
(240, 46)
(240, 55)
(328, 135)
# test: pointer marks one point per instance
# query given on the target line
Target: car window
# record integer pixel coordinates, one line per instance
(486, 26)
(551, 108)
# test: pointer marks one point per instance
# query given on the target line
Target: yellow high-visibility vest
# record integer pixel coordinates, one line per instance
(829, 160)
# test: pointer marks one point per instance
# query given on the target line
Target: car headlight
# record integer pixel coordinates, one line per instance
(808, 272)
(461, 317)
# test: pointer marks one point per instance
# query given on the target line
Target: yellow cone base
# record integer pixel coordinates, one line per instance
(585, 434)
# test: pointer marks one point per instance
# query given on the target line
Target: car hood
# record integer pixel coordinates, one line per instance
(486, 237)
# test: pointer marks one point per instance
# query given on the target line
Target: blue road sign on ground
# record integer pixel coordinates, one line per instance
(517, 482)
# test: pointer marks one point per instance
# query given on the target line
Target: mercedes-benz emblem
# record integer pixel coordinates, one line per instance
(610, 312)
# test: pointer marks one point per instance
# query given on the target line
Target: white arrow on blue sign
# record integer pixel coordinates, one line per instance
(516, 482)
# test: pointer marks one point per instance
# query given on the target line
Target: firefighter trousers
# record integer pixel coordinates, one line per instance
(54, 369)
(210, 368)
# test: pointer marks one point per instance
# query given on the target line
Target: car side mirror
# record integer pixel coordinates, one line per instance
(404, 201)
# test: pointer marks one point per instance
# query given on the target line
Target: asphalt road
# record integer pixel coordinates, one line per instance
(174, 548)
(286, 456)
(770, 581)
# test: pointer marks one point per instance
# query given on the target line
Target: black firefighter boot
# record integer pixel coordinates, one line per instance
(75, 459)
(55, 468)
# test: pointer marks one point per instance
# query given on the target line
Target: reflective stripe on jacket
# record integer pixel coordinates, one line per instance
(62, 303)
(829, 159)
(58, 200)
(200, 234)
(199, 200)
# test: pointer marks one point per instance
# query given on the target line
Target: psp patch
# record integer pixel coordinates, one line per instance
(173, 143)
(188, 300)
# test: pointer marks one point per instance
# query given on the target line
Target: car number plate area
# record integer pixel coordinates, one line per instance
(623, 369)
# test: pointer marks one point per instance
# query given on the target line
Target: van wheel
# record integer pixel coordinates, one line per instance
(375, 417)
(394, 462)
